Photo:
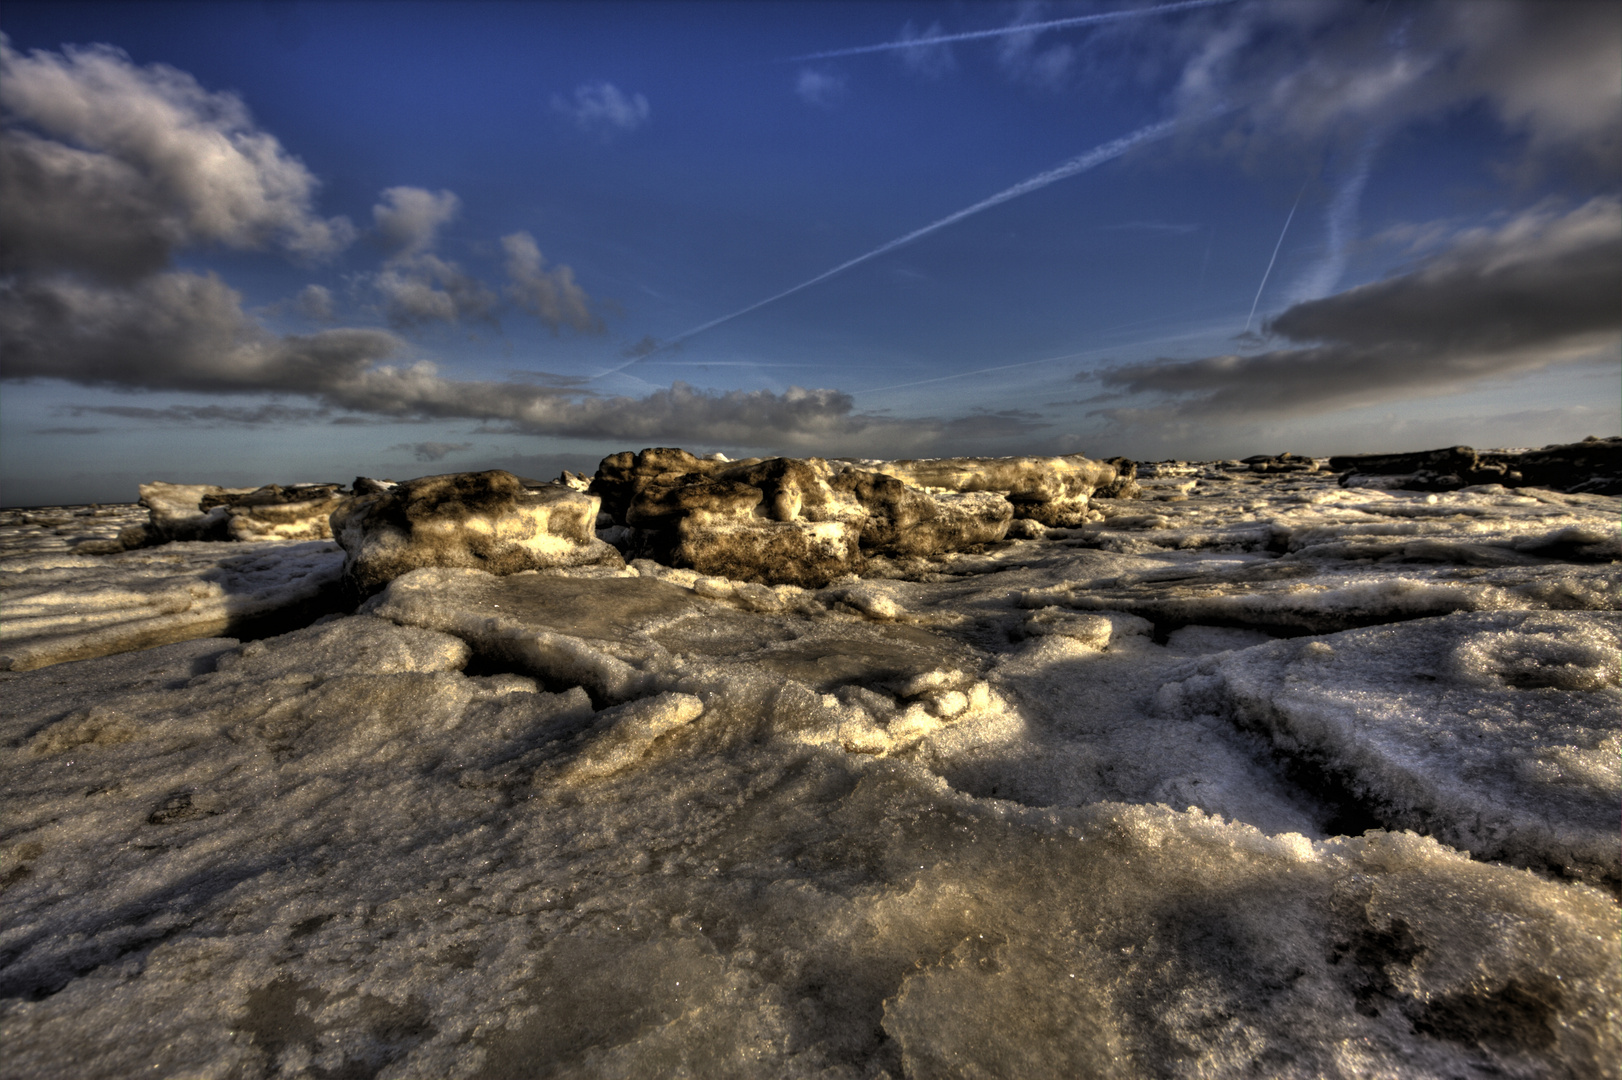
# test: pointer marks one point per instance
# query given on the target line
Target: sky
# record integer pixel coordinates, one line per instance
(280, 242)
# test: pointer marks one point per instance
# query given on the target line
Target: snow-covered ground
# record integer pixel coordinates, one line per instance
(1257, 776)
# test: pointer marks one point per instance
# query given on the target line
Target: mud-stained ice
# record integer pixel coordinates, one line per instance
(1254, 775)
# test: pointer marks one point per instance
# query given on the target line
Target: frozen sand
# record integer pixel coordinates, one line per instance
(1072, 806)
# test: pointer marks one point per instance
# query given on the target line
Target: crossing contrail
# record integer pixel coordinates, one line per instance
(1091, 159)
(1274, 259)
(1342, 216)
(1004, 31)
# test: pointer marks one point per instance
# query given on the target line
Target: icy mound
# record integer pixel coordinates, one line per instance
(1498, 733)
(491, 521)
(786, 521)
(208, 512)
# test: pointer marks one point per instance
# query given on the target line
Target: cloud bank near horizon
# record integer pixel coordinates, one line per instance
(1539, 289)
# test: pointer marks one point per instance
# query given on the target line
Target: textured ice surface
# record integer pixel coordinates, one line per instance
(1499, 733)
(57, 529)
(68, 607)
(1117, 800)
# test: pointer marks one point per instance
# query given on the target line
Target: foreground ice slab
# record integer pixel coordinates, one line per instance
(333, 853)
(1498, 733)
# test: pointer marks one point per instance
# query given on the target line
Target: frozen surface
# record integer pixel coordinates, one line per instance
(1256, 776)
(56, 607)
(57, 529)
(1499, 733)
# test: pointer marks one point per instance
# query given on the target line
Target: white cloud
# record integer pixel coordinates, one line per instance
(107, 167)
(550, 295)
(931, 59)
(820, 88)
(418, 287)
(409, 219)
(425, 288)
(314, 302)
(1551, 71)
(604, 109)
(1019, 56)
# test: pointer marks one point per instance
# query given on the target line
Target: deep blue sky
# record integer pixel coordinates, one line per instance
(1449, 174)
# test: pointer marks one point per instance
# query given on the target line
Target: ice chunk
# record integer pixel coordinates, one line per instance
(803, 553)
(592, 632)
(629, 731)
(490, 520)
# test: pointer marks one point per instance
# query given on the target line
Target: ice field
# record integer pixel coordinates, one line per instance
(1254, 775)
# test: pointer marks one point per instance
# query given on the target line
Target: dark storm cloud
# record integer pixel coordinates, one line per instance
(214, 416)
(1540, 289)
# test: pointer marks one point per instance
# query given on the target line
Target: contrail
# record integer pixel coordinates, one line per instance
(1342, 214)
(1004, 31)
(1091, 159)
(1205, 264)
(1274, 259)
